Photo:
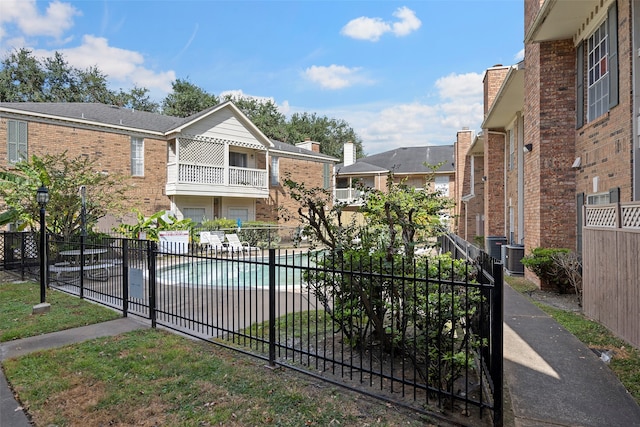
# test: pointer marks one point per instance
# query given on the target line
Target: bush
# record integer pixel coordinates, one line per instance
(542, 261)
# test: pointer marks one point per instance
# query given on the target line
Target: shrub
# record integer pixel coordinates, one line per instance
(543, 263)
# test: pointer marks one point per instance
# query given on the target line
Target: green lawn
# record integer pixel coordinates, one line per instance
(153, 377)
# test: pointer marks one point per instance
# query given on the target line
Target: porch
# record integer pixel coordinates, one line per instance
(204, 166)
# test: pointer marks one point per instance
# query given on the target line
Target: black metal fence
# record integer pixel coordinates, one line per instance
(426, 335)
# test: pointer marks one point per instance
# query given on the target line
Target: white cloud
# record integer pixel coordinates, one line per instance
(23, 26)
(460, 86)
(123, 68)
(364, 28)
(519, 56)
(409, 22)
(24, 14)
(335, 76)
(384, 127)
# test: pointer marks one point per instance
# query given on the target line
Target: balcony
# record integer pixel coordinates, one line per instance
(350, 196)
(189, 179)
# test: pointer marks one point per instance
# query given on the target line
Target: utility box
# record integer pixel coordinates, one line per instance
(513, 259)
(494, 246)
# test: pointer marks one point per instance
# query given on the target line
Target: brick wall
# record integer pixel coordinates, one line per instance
(494, 143)
(112, 152)
(308, 172)
(606, 144)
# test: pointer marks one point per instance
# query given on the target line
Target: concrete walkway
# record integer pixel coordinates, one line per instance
(553, 378)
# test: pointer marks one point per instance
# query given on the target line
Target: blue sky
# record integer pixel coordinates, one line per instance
(402, 73)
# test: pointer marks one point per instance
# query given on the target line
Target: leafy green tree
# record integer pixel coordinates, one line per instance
(330, 133)
(187, 99)
(390, 302)
(151, 226)
(25, 78)
(63, 177)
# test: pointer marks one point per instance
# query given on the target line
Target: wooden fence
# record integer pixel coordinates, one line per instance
(611, 271)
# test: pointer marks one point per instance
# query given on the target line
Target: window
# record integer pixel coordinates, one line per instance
(442, 185)
(598, 199)
(137, 156)
(598, 83)
(598, 57)
(275, 174)
(196, 215)
(237, 159)
(239, 213)
(16, 141)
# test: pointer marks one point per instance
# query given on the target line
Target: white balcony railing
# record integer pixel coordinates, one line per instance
(185, 176)
(247, 177)
(348, 195)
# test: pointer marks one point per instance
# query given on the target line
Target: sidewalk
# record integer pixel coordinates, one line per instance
(11, 415)
(553, 378)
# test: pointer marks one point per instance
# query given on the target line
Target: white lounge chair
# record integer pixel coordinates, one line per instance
(236, 245)
(211, 242)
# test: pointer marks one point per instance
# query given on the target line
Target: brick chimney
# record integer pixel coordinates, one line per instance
(349, 153)
(310, 145)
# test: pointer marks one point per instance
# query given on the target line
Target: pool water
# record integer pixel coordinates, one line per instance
(236, 273)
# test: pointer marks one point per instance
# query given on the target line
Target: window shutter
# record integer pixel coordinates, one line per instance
(326, 176)
(16, 141)
(614, 195)
(612, 39)
(580, 86)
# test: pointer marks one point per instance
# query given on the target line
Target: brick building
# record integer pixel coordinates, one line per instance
(560, 128)
(210, 165)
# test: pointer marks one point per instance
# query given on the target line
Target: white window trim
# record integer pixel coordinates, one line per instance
(137, 156)
(597, 105)
(20, 153)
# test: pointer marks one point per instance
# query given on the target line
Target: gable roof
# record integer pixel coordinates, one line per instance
(96, 113)
(112, 116)
(404, 160)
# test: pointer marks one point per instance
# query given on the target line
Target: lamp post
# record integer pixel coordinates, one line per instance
(83, 211)
(42, 197)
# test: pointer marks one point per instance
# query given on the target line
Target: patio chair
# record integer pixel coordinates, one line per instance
(237, 246)
(211, 242)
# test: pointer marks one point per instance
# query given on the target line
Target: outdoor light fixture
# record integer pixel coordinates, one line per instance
(42, 197)
(527, 148)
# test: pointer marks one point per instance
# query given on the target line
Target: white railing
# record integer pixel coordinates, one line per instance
(197, 174)
(215, 175)
(347, 195)
(247, 177)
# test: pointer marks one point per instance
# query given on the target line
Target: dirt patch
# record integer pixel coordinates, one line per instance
(567, 302)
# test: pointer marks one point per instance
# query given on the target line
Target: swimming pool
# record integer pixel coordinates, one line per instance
(236, 272)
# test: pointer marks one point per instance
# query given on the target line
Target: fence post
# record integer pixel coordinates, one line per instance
(151, 256)
(272, 307)
(82, 243)
(497, 332)
(125, 277)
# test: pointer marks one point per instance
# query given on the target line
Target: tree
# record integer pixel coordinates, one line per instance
(63, 178)
(330, 133)
(187, 99)
(25, 78)
(390, 302)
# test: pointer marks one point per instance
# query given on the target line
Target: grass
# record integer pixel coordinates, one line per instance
(153, 377)
(17, 321)
(625, 363)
